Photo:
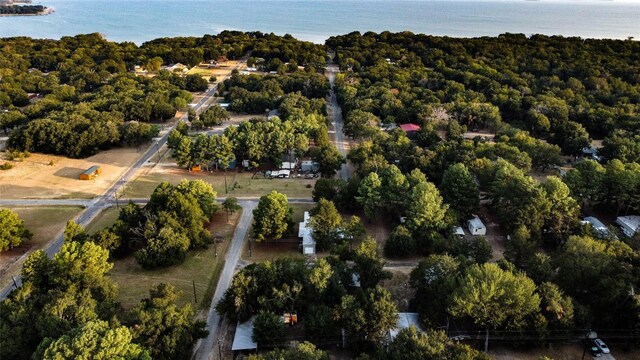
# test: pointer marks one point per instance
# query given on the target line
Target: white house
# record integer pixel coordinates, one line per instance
(304, 232)
(597, 225)
(476, 227)
(629, 224)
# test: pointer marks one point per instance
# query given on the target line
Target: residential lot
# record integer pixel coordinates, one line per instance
(199, 271)
(239, 184)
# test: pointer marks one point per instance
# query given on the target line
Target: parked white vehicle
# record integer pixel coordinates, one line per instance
(602, 346)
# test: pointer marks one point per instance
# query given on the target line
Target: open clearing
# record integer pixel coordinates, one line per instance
(201, 268)
(240, 184)
(45, 222)
(220, 72)
(35, 178)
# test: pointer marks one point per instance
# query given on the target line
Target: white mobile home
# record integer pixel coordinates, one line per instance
(629, 224)
(476, 227)
(304, 232)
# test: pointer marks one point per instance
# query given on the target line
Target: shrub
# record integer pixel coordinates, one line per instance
(400, 243)
(6, 166)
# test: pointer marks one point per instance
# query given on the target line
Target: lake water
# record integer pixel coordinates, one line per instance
(314, 20)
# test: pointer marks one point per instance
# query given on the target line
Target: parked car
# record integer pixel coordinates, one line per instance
(602, 346)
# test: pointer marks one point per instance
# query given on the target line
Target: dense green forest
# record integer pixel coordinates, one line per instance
(87, 95)
(544, 99)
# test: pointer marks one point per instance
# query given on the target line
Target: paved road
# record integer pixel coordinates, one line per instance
(204, 348)
(95, 206)
(338, 124)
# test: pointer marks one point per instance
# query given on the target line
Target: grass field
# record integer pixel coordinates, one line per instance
(287, 246)
(238, 184)
(45, 222)
(106, 217)
(201, 269)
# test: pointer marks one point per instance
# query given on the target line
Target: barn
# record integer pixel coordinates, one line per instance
(91, 173)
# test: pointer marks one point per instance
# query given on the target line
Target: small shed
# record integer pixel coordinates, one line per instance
(243, 339)
(476, 227)
(91, 173)
(629, 224)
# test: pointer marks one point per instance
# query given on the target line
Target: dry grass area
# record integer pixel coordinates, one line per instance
(35, 177)
(220, 72)
(45, 222)
(200, 270)
(239, 184)
(286, 247)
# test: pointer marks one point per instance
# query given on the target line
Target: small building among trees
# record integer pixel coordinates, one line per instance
(629, 224)
(304, 232)
(476, 226)
(91, 173)
(243, 338)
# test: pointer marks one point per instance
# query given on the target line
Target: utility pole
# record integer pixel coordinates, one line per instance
(115, 195)
(195, 299)
(219, 350)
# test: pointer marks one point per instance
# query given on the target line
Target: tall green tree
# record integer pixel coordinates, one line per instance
(268, 330)
(494, 298)
(434, 279)
(425, 210)
(411, 344)
(325, 224)
(161, 326)
(369, 265)
(370, 194)
(95, 340)
(368, 316)
(230, 206)
(13, 232)
(460, 190)
(272, 217)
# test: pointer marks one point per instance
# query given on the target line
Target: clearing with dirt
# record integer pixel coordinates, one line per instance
(43, 176)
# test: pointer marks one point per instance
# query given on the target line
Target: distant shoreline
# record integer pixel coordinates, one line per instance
(46, 11)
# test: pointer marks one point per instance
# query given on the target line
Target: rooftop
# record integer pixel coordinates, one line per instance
(410, 127)
(243, 337)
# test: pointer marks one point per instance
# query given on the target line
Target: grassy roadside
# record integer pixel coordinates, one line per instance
(45, 222)
(200, 271)
(238, 184)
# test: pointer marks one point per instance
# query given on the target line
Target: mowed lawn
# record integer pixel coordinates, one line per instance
(201, 267)
(238, 184)
(45, 222)
(285, 247)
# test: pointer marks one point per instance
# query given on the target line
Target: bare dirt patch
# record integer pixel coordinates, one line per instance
(43, 176)
(399, 287)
